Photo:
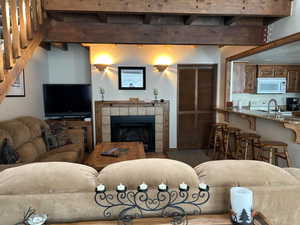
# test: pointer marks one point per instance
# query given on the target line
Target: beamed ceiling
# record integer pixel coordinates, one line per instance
(197, 22)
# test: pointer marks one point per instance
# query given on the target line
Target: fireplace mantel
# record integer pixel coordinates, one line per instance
(105, 109)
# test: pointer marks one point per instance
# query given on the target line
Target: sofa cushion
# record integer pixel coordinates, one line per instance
(45, 178)
(60, 157)
(35, 125)
(27, 152)
(18, 132)
(65, 148)
(243, 173)
(151, 171)
(39, 145)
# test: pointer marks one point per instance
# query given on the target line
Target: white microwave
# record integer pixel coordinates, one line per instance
(271, 85)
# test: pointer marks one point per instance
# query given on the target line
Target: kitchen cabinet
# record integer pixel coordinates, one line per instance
(293, 79)
(280, 71)
(272, 71)
(250, 82)
(244, 80)
(265, 71)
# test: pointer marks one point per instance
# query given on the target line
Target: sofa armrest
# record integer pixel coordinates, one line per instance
(77, 137)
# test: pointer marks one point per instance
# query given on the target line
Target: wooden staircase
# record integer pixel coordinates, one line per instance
(21, 32)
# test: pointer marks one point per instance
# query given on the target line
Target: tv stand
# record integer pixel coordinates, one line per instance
(77, 123)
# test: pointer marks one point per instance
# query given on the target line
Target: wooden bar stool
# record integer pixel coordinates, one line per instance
(216, 139)
(271, 151)
(250, 142)
(232, 142)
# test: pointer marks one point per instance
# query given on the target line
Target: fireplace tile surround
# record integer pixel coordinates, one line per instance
(104, 111)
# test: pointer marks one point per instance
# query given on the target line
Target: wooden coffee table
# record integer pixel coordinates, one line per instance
(222, 219)
(97, 161)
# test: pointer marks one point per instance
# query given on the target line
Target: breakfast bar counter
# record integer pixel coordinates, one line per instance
(289, 122)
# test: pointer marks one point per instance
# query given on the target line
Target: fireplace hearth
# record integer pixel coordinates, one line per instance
(134, 128)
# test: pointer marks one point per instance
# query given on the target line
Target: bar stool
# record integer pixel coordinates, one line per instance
(232, 142)
(216, 139)
(274, 150)
(250, 142)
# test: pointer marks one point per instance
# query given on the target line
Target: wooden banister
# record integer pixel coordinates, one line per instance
(15, 29)
(1, 67)
(22, 18)
(28, 19)
(22, 22)
(6, 18)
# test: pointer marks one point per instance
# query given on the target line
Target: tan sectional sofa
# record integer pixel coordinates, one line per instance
(66, 191)
(25, 135)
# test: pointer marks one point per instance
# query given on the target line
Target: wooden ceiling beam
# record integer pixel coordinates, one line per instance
(190, 19)
(89, 32)
(278, 8)
(229, 20)
(147, 19)
(242, 20)
(102, 17)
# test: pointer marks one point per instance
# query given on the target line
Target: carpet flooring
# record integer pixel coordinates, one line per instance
(191, 157)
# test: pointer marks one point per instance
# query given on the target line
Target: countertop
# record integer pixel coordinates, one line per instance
(263, 115)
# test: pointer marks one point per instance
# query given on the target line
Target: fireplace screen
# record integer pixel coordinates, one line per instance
(134, 128)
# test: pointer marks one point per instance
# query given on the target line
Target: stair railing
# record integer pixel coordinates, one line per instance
(20, 21)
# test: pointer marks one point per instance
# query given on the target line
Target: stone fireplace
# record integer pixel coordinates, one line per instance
(127, 121)
(134, 128)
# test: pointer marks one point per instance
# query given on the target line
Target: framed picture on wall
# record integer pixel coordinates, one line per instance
(17, 89)
(132, 78)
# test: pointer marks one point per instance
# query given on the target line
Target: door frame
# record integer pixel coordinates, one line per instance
(214, 66)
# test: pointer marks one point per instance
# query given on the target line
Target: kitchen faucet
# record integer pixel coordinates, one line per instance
(275, 102)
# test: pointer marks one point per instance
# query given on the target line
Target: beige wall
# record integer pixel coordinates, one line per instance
(69, 67)
(147, 55)
(32, 103)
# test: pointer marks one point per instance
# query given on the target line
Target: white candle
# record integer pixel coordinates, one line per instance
(241, 205)
(101, 188)
(37, 219)
(203, 186)
(183, 187)
(121, 187)
(143, 187)
(162, 187)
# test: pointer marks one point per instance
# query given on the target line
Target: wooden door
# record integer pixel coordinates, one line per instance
(196, 100)
(250, 81)
(265, 71)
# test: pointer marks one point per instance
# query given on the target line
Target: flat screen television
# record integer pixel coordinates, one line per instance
(67, 100)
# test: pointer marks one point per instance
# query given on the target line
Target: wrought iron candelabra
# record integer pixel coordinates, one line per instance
(132, 204)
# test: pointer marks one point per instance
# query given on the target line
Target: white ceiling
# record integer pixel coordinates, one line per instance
(287, 54)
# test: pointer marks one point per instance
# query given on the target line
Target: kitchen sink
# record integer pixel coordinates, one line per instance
(283, 113)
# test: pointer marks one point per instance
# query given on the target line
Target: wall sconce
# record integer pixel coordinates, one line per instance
(101, 67)
(160, 68)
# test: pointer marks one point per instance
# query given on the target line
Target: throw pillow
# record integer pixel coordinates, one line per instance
(59, 129)
(56, 136)
(49, 139)
(7, 154)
